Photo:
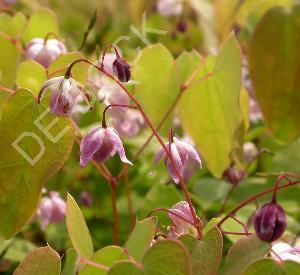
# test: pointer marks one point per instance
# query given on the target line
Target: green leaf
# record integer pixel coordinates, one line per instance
(141, 237)
(61, 63)
(12, 26)
(70, 266)
(18, 249)
(107, 256)
(9, 60)
(210, 225)
(276, 80)
(157, 81)
(187, 64)
(40, 24)
(124, 268)
(30, 154)
(270, 267)
(31, 75)
(77, 228)
(43, 260)
(243, 252)
(167, 257)
(206, 254)
(209, 110)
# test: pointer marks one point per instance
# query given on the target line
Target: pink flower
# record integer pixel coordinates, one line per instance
(65, 92)
(44, 52)
(184, 156)
(184, 225)
(285, 252)
(129, 123)
(108, 61)
(52, 209)
(101, 144)
(234, 175)
(170, 7)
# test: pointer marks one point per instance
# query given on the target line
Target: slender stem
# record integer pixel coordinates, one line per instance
(129, 199)
(100, 266)
(253, 198)
(241, 223)
(113, 105)
(104, 53)
(197, 223)
(115, 212)
(48, 35)
(5, 89)
(278, 181)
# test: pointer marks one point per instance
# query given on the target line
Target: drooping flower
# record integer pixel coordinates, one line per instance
(65, 92)
(108, 61)
(170, 7)
(101, 144)
(269, 222)
(182, 220)
(234, 175)
(121, 69)
(184, 156)
(44, 52)
(285, 252)
(52, 209)
(129, 123)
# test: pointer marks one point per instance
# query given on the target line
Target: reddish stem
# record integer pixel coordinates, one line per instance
(113, 105)
(253, 198)
(197, 224)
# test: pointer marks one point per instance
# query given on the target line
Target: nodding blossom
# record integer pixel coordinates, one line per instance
(100, 144)
(184, 156)
(86, 198)
(44, 52)
(52, 209)
(269, 222)
(181, 226)
(169, 7)
(250, 151)
(285, 252)
(65, 92)
(121, 69)
(234, 175)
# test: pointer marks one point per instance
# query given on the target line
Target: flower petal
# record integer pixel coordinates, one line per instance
(178, 164)
(118, 145)
(90, 144)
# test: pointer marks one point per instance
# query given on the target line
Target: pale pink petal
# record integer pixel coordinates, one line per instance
(90, 144)
(178, 164)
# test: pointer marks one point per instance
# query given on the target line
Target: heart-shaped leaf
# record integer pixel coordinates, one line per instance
(276, 80)
(36, 148)
(206, 254)
(43, 260)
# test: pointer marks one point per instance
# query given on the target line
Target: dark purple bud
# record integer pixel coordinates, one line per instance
(234, 176)
(86, 198)
(121, 69)
(182, 26)
(269, 222)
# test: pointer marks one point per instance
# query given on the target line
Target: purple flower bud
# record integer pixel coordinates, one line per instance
(101, 144)
(86, 198)
(65, 92)
(269, 222)
(52, 209)
(44, 52)
(121, 69)
(234, 176)
(184, 225)
(184, 156)
(170, 7)
(182, 26)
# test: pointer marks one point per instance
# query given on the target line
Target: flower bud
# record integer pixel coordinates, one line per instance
(269, 222)
(234, 176)
(121, 69)
(44, 52)
(86, 198)
(182, 26)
